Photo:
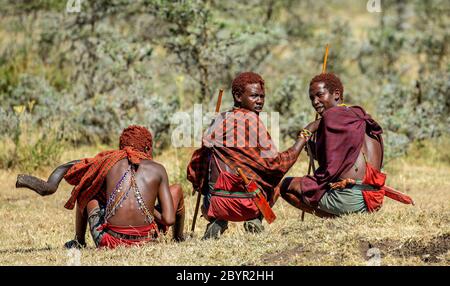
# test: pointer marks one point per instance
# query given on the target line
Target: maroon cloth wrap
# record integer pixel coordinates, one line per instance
(339, 140)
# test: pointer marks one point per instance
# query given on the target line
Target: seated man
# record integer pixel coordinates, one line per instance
(239, 139)
(116, 192)
(349, 150)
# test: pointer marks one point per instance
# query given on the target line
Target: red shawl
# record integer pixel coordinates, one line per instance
(339, 140)
(88, 176)
(240, 139)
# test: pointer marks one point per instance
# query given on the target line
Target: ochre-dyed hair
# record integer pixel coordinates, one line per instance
(239, 83)
(332, 82)
(137, 137)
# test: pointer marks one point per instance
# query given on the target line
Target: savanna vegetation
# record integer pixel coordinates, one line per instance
(70, 82)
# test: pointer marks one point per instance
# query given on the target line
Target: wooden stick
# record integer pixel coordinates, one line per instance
(311, 166)
(197, 205)
(199, 195)
(243, 176)
(325, 57)
(219, 101)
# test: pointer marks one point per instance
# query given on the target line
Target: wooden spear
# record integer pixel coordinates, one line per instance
(199, 195)
(311, 166)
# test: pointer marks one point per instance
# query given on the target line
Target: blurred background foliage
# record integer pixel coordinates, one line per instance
(68, 79)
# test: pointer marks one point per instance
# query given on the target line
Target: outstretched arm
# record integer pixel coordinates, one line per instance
(301, 142)
(42, 187)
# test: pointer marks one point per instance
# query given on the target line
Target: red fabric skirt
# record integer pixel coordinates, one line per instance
(230, 201)
(145, 233)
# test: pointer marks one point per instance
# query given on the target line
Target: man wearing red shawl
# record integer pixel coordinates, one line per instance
(239, 139)
(349, 150)
(116, 193)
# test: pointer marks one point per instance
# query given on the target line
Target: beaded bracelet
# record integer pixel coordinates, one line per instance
(305, 134)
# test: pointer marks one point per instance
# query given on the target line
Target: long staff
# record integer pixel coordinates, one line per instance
(311, 166)
(199, 195)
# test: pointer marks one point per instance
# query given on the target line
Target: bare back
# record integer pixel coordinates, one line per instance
(372, 149)
(149, 177)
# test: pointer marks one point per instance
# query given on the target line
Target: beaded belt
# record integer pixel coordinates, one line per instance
(127, 236)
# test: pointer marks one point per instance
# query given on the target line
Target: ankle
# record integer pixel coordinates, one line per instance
(81, 241)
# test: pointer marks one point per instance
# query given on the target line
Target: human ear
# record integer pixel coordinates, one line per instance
(337, 95)
(238, 99)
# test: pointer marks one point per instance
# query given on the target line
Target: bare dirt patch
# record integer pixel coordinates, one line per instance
(428, 250)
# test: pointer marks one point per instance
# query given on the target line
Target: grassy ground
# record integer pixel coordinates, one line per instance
(34, 229)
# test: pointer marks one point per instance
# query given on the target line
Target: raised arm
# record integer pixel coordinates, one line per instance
(42, 187)
(167, 215)
(301, 141)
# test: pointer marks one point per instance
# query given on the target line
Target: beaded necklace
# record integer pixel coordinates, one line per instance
(118, 196)
(139, 199)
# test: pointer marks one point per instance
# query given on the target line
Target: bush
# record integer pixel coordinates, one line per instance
(26, 147)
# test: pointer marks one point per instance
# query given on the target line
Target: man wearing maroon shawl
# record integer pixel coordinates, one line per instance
(239, 139)
(349, 150)
(116, 193)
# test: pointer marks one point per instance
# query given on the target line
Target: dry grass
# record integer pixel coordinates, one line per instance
(34, 228)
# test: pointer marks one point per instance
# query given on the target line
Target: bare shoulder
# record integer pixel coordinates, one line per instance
(150, 166)
(120, 165)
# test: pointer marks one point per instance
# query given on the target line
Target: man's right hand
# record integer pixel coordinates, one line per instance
(74, 243)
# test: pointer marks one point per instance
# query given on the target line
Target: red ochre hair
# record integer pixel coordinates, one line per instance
(239, 83)
(137, 137)
(332, 82)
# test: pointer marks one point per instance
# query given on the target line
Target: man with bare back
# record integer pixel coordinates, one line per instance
(116, 192)
(349, 150)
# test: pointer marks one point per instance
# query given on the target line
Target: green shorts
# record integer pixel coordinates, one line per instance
(345, 201)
